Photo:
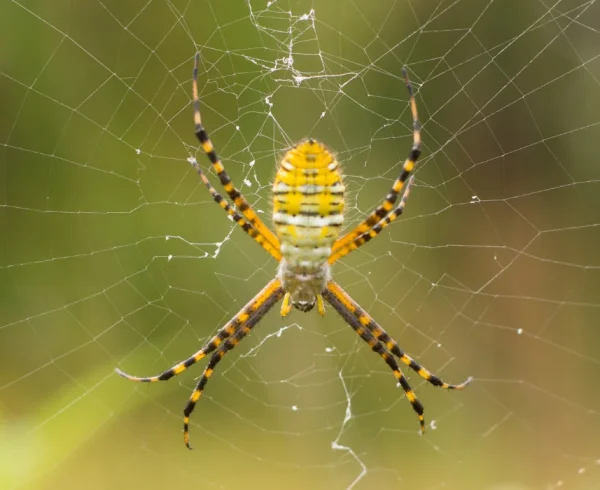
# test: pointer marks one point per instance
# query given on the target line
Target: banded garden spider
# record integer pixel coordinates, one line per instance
(308, 202)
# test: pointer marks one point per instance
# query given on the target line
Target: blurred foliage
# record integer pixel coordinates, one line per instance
(113, 254)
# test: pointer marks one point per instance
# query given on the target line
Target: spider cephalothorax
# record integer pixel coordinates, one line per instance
(303, 286)
(308, 205)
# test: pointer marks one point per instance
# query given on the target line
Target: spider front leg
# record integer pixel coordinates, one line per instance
(229, 329)
(224, 340)
(225, 332)
(378, 347)
(229, 344)
(334, 290)
(378, 339)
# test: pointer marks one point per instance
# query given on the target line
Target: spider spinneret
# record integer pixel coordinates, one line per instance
(308, 205)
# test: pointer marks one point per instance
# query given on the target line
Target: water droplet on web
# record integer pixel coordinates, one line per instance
(247, 182)
(519, 331)
(169, 258)
(252, 163)
(294, 408)
(138, 151)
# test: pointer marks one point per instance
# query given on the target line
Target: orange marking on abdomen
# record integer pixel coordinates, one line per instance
(308, 199)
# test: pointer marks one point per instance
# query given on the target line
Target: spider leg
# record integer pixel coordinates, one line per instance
(351, 307)
(348, 315)
(386, 206)
(270, 291)
(234, 194)
(376, 230)
(246, 226)
(261, 307)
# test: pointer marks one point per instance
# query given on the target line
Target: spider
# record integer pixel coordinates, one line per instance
(308, 205)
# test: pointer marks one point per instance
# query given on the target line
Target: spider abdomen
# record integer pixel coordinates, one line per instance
(308, 206)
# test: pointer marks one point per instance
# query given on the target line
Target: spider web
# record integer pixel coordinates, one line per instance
(114, 255)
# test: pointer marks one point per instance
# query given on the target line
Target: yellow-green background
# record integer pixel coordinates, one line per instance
(95, 130)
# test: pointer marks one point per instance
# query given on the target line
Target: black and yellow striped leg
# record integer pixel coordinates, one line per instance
(365, 319)
(245, 225)
(378, 347)
(229, 329)
(386, 206)
(376, 230)
(261, 308)
(235, 195)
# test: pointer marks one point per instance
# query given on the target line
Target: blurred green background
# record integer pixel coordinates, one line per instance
(112, 254)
